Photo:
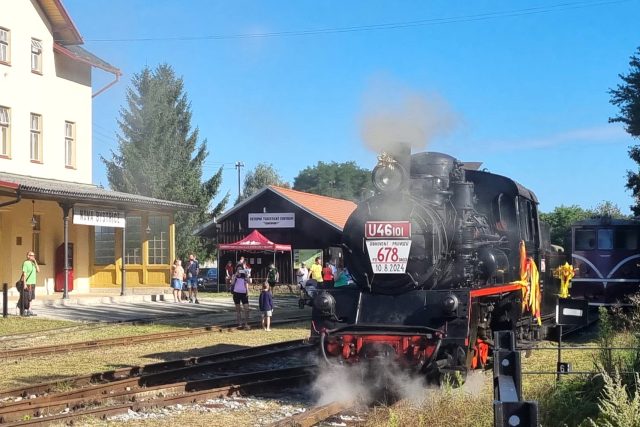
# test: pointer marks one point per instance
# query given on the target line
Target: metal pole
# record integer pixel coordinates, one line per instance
(65, 210)
(123, 289)
(559, 352)
(5, 300)
(239, 165)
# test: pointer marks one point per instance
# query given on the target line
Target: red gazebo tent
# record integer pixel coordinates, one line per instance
(255, 241)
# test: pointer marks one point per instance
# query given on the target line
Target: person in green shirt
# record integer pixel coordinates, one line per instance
(30, 269)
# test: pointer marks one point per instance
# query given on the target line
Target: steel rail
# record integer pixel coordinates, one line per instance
(129, 340)
(314, 415)
(154, 368)
(239, 384)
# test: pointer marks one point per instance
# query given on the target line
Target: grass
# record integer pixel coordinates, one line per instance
(32, 370)
(19, 325)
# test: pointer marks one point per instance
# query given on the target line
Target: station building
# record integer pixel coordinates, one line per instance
(47, 201)
(310, 223)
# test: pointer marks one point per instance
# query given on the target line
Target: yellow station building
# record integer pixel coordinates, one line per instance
(47, 201)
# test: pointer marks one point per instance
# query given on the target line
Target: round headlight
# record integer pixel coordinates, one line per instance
(388, 177)
(450, 303)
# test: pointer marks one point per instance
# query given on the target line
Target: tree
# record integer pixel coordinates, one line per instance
(627, 98)
(159, 155)
(341, 180)
(264, 174)
(608, 209)
(561, 220)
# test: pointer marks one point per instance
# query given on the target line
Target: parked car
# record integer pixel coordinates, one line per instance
(208, 279)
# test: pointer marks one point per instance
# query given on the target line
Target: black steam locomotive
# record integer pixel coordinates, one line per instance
(441, 256)
(605, 253)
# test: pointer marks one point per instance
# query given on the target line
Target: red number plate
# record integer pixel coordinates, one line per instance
(387, 230)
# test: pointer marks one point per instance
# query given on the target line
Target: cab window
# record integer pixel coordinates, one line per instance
(584, 239)
(605, 239)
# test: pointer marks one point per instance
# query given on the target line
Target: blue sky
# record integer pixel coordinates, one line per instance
(523, 84)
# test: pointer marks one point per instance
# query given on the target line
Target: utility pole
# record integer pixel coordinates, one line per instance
(239, 165)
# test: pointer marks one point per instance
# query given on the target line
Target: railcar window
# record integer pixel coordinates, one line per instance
(626, 238)
(605, 239)
(585, 239)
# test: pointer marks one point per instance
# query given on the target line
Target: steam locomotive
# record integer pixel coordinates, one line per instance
(442, 255)
(605, 255)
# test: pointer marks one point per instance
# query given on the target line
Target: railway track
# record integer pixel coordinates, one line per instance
(161, 384)
(134, 339)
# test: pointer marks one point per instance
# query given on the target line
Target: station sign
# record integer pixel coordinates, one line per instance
(388, 245)
(101, 217)
(272, 220)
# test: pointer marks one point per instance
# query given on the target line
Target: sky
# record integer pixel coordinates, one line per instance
(520, 86)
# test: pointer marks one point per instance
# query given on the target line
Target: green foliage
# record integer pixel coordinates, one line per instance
(561, 219)
(341, 180)
(264, 174)
(570, 402)
(618, 408)
(159, 154)
(626, 97)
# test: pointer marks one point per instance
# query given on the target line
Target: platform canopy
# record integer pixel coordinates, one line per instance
(255, 241)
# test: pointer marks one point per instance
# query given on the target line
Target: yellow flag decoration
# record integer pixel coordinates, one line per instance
(530, 282)
(565, 273)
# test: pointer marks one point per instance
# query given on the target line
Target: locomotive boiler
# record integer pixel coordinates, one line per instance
(442, 255)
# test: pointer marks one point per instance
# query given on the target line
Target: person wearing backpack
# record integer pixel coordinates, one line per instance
(30, 268)
(272, 276)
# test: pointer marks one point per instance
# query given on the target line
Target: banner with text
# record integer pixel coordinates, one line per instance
(99, 217)
(272, 220)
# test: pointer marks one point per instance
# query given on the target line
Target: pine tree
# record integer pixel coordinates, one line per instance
(627, 98)
(159, 154)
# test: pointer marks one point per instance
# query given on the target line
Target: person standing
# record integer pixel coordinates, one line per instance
(273, 276)
(315, 272)
(327, 275)
(303, 275)
(228, 272)
(30, 268)
(266, 307)
(240, 290)
(193, 269)
(177, 273)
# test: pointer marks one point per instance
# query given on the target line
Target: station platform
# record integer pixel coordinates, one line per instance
(140, 304)
(95, 297)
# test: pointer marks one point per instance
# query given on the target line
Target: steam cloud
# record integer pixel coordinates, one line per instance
(363, 384)
(394, 114)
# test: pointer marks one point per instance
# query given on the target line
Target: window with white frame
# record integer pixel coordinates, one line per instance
(158, 252)
(133, 240)
(5, 46)
(36, 137)
(36, 56)
(5, 132)
(70, 144)
(105, 245)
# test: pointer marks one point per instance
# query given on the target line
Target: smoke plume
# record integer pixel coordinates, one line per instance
(393, 114)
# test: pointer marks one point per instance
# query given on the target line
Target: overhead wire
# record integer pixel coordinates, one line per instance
(376, 27)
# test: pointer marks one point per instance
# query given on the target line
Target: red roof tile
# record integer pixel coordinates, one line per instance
(332, 210)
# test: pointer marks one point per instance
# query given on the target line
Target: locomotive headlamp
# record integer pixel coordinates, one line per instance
(388, 175)
(325, 304)
(450, 303)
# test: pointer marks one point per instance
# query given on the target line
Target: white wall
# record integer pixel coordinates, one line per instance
(62, 93)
